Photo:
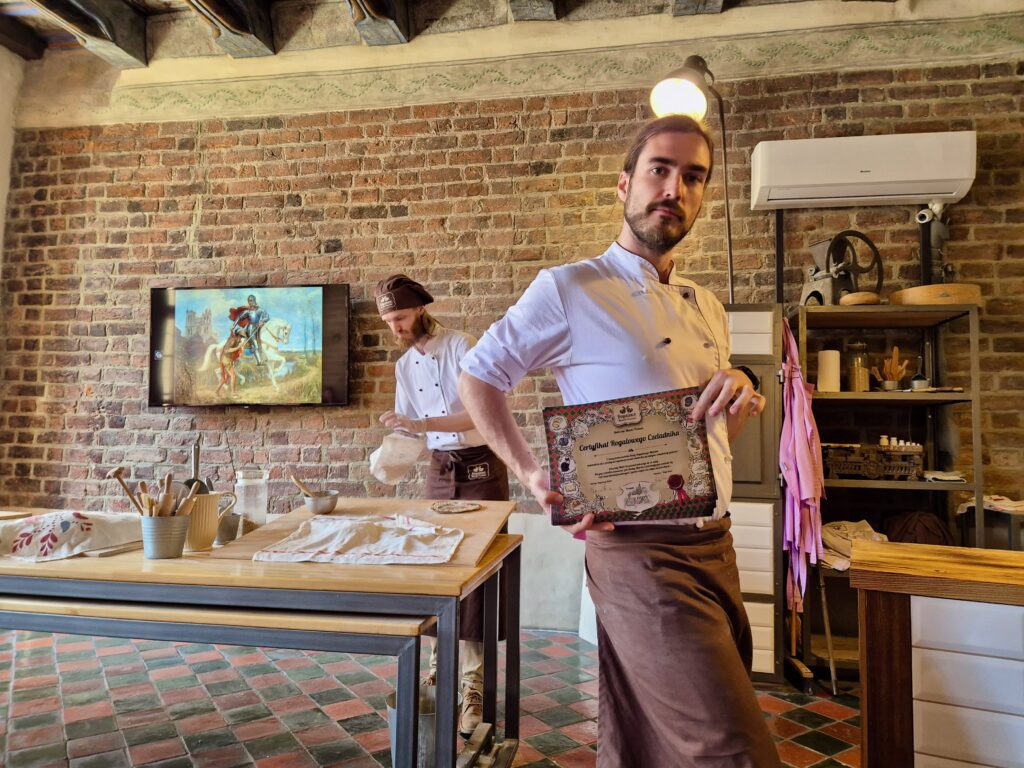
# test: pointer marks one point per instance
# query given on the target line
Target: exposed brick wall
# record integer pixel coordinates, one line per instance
(473, 199)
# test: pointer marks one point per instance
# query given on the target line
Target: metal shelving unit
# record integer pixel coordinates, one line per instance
(928, 320)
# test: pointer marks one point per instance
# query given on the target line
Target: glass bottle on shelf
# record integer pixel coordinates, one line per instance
(857, 368)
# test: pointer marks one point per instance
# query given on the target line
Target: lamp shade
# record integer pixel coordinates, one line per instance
(677, 95)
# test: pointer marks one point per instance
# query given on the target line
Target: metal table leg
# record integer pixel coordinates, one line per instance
(510, 571)
(407, 700)
(447, 683)
(490, 713)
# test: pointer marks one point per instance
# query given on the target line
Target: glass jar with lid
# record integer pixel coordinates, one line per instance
(251, 490)
(857, 368)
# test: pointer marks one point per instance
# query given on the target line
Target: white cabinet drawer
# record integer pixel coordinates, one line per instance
(964, 680)
(760, 614)
(764, 638)
(751, 537)
(751, 344)
(759, 513)
(968, 627)
(971, 735)
(756, 582)
(752, 322)
(754, 559)
(756, 571)
(764, 661)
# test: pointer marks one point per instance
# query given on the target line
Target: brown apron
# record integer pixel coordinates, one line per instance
(674, 650)
(474, 474)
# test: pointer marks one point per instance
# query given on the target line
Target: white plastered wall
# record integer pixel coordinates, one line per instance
(11, 71)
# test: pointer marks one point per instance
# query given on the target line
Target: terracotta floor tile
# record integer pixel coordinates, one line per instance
(288, 760)
(843, 731)
(257, 729)
(322, 734)
(584, 757)
(769, 703)
(181, 695)
(344, 709)
(850, 757)
(200, 723)
(797, 756)
(374, 741)
(88, 711)
(36, 737)
(157, 750)
(831, 709)
(95, 745)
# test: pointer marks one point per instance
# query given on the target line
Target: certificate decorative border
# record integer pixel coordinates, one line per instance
(567, 423)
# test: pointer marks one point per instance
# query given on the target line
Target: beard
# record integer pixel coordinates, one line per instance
(407, 340)
(658, 234)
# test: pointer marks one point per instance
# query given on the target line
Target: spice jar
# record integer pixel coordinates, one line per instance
(857, 368)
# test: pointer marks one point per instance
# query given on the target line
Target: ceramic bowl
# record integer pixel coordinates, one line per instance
(322, 505)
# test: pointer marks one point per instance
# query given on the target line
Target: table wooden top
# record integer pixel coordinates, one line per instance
(480, 526)
(961, 573)
(206, 569)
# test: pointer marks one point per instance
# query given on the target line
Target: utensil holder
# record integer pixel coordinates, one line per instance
(163, 537)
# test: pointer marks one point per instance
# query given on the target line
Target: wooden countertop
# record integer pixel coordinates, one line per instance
(960, 573)
(205, 569)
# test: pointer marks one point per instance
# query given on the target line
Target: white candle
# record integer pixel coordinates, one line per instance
(828, 370)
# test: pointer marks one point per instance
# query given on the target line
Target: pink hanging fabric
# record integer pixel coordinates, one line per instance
(801, 465)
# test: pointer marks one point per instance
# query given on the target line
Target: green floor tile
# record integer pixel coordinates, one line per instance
(268, 746)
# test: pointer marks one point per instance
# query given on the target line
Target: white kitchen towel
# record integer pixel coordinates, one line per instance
(840, 535)
(367, 540)
(396, 455)
(57, 535)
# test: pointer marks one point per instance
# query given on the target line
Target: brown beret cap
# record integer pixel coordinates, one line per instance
(400, 292)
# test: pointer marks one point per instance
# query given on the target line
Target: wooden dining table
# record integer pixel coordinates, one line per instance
(380, 609)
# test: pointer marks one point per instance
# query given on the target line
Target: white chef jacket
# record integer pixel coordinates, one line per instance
(608, 328)
(427, 385)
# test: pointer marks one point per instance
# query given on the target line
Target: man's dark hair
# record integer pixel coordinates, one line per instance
(668, 124)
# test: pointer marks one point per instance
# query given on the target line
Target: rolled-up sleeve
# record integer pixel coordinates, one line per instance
(533, 334)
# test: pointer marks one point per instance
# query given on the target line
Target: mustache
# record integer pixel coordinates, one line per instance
(671, 208)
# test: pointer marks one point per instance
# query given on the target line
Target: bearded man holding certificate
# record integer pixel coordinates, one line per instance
(675, 646)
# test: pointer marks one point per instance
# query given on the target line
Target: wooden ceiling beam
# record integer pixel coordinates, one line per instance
(532, 10)
(20, 40)
(381, 22)
(241, 27)
(111, 29)
(694, 7)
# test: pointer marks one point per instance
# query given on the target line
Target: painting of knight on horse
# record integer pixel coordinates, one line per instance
(250, 354)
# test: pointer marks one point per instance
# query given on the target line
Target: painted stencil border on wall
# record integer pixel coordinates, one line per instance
(855, 47)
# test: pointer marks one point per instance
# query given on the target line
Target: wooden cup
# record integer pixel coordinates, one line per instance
(205, 517)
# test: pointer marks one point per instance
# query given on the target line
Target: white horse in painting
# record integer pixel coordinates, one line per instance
(274, 335)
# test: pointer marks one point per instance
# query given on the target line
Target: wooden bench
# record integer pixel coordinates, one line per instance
(339, 632)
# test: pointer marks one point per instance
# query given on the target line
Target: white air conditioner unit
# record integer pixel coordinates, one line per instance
(896, 169)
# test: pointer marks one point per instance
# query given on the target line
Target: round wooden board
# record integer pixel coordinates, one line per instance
(859, 297)
(942, 293)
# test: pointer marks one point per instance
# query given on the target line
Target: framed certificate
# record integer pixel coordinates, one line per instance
(635, 458)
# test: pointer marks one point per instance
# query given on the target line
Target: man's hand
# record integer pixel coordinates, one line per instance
(537, 483)
(729, 386)
(397, 421)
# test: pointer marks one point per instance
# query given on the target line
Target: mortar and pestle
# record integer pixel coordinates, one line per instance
(317, 502)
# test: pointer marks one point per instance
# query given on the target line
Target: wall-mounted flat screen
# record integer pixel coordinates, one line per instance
(249, 345)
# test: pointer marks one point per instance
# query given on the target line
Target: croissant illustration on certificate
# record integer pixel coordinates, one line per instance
(634, 458)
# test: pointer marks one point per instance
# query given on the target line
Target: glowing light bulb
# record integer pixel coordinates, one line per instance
(677, 96)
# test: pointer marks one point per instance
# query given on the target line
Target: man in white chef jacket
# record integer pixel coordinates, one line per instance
(675, 646)
(461, 465)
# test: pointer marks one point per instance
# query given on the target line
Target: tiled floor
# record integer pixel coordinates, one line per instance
(90, 702)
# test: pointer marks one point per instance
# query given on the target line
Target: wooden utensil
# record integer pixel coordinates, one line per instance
(303, 487)
(118, 474)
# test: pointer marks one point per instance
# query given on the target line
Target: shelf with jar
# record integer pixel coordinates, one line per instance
(914, 403)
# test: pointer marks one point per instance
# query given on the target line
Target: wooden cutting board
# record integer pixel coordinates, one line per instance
(480, 527)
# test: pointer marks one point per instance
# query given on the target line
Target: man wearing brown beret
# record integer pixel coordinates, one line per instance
(461, 465)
